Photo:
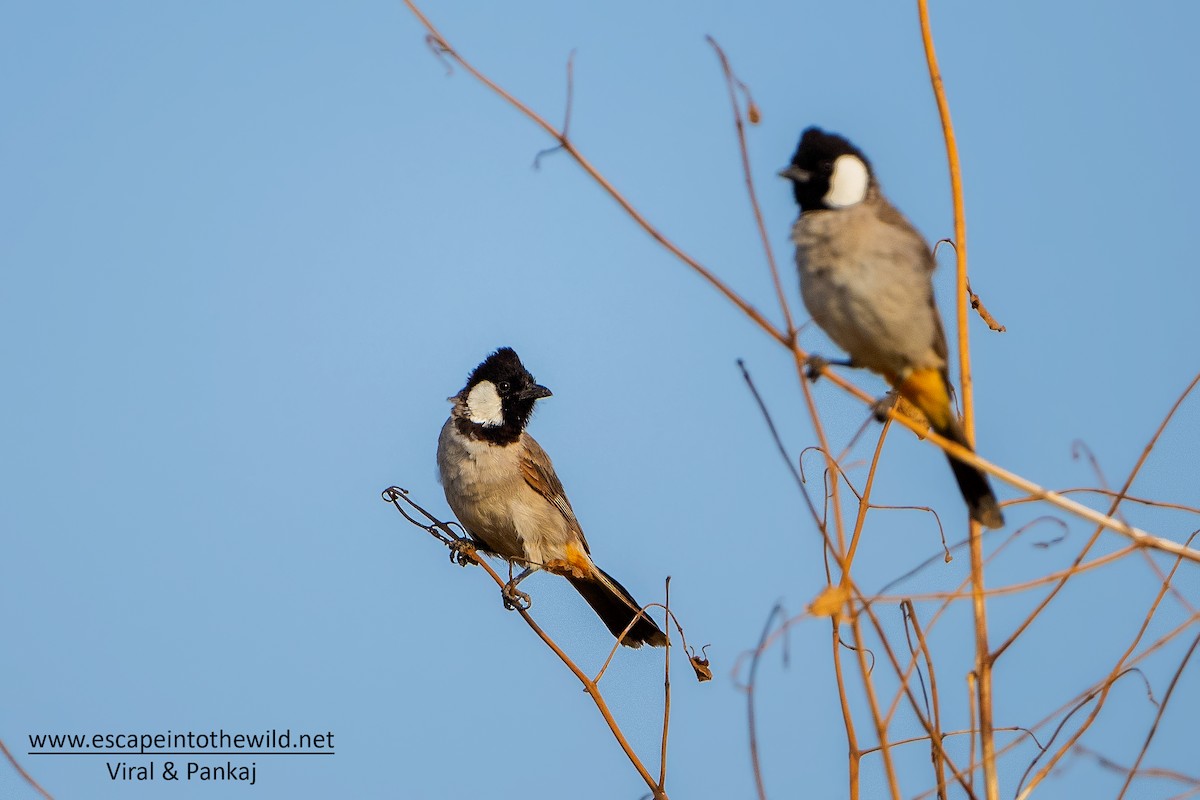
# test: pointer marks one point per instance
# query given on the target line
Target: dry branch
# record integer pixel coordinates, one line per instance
(21, 771)
(463, 552)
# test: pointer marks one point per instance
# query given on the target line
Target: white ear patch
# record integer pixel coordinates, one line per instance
(483, 404)
(848, 183)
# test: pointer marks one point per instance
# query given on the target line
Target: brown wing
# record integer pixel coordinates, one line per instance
(538, 472)
(939, 339)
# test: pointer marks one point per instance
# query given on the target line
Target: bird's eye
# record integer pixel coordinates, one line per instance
(827, 167)
(504, 386)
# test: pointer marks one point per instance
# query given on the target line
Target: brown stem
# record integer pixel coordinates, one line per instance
(983, 659)
(20, 771)
(935, 739)
(732, 82)
(662, 768)
(395, 497)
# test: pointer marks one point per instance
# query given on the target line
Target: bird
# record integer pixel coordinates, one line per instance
(502, 487)
(866, 280)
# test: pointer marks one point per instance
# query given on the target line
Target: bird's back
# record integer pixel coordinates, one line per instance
(865, 279)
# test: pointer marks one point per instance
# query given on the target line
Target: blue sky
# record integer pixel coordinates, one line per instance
(250, 248)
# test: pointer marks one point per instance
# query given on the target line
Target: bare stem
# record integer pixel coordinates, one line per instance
(20, 771)
(396, 496)
(983, 659)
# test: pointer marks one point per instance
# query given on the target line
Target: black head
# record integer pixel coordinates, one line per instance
(827, 171)
(499, 398)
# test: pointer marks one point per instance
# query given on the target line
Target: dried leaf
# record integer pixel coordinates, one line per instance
(700, 665)
(829, 602)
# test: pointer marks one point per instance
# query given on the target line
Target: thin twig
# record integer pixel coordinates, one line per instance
(569, 147)
(948, 734)
(759, 784)
(662, 769)
(1117, 671)
(1012, 588)
(847, 586)
(905, 685)
(855, 755)
(1149, 772)
(984, 314)
(1042, 749)
(1129, 498)
(762, 407)
(395, 496)
(976, 303)
(1080, 447)
(863, 505)
(1083, 697)
(20, 771)
(983, 659)
(566, 128)
(612, 653)
(973, 709)
(731, 81)
(798, 476)
(1140, 537)
(1182, 551)
(881, 731)
(935, 739)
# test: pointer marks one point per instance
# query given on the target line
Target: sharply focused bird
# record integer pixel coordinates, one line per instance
(866, 279)
(502, 487)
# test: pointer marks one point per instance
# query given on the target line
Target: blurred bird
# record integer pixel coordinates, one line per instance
(502, 487)
(866, 279)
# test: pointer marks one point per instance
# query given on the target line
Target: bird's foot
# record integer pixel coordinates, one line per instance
(462, 552)
(881, 407)
(814, 365)
(514, 598)
(894, 401)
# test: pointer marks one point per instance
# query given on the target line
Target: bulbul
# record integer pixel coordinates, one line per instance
(502, 487)
(866, 278)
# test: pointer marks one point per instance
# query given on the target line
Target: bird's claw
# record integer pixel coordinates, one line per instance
(814, 365)
(881, 407)
(514, 598)
(462, 552)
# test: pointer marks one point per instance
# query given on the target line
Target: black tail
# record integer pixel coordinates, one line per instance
(973, 484)
(616, 608)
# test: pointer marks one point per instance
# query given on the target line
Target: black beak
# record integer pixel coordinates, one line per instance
(535, 392)
(794, 173)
